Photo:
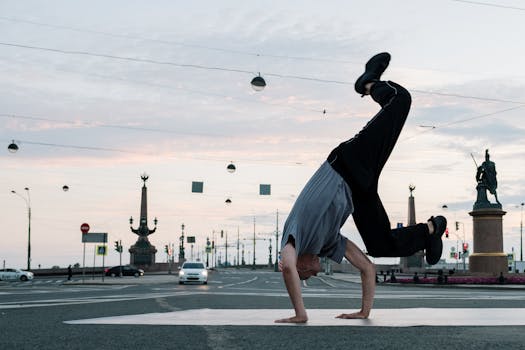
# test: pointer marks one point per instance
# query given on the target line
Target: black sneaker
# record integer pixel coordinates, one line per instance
(434, 247)
(374, 68)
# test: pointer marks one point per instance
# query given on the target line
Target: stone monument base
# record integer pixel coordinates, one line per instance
(488, 264)
(142, 256)
(413, 263)
(488, 256)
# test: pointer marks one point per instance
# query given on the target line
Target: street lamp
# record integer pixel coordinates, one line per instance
(28, 203)
(231, 168)
(181, 245)
(521, 233)
(258, 83)
(13, 147)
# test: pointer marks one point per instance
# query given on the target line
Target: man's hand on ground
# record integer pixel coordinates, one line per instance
(294, 319)
(355, 315)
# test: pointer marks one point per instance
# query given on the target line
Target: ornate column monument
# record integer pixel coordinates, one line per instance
(488, 256)
(142, 252)
(415, 262)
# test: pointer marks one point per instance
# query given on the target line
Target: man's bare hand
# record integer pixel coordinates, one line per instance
(355, 315)
(294, 319)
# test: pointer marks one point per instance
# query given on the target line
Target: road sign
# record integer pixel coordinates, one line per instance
(102, 250)
(84, 228)
(95, 237)
(191, 239)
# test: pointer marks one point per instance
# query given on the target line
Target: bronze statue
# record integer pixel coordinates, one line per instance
(486, 180)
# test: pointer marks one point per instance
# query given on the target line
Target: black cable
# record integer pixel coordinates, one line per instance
(491, 4)
(169, 42)
(183, 65)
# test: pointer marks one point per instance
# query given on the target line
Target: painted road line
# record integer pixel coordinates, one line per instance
(409, 317)
(239, 283)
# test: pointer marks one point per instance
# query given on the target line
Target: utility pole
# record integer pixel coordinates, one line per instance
(238, 262)
(276, 267)
(254, 242)
(521, 231)
(226, 250)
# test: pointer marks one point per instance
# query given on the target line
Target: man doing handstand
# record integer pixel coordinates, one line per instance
(346, 183)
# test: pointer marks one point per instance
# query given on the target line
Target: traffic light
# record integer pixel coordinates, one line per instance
(457, 225)
(465, 247)
(222, 233)
(446, 232)
(166, 249)
(117, 246)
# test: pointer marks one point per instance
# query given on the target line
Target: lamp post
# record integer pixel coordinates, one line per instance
(276, 266)
(28, 203)
(181, 246)
(253, 267)
(521, 233)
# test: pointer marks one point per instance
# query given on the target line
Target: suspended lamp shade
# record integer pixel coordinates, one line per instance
(13, 147)
(258, 83)
(65, 188)
(231, 168)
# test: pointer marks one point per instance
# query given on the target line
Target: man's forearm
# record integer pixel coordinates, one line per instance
(368, 284)
(293, 286)
(368, 275)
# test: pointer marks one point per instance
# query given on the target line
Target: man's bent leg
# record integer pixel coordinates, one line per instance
(374, 227)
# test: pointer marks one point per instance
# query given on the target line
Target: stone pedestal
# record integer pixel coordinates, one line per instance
(488, 256)
(142, 253)
(415, 262)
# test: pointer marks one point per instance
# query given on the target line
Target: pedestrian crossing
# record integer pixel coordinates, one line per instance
(37, 282)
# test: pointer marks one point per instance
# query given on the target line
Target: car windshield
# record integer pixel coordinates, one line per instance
(193, 266)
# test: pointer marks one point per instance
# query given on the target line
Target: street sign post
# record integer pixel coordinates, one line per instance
(93, 237)
(84, 228)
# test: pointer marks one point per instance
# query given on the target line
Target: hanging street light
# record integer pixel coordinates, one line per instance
(258, 83)
(13, 147)
(228, 201)
(231, 168)
(65, 188)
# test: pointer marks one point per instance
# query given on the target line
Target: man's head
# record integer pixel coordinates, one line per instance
(308, 265)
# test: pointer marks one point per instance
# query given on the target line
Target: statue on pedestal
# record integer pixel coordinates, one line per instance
(486, 181)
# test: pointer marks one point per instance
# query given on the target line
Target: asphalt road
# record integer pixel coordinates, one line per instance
(32, 314)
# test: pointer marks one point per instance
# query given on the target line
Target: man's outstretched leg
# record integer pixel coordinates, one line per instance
(361, 159)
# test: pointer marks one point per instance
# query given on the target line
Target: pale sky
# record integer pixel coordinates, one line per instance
(95, 93)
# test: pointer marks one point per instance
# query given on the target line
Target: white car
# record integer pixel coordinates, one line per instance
(15, 274)
(193, 272)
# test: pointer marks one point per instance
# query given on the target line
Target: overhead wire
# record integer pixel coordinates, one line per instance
(195, 66)
(459, 121)
(234, 70)
(490, 4)
(171, 42)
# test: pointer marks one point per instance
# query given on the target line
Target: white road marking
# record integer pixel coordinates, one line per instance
(326, 282)
(239, 283)
(409, 317)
